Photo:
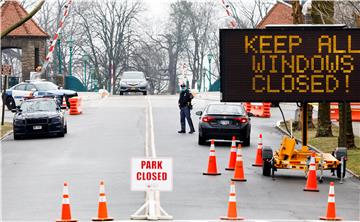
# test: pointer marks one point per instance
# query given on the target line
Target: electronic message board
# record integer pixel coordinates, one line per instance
(290, 65)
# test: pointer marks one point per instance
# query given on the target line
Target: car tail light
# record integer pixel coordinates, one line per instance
(241, 119)
(207, 119)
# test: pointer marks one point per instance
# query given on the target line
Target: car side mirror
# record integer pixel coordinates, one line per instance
(147, 77)
(250, 114)
(199, 113)
(33, 90)
(14, 110)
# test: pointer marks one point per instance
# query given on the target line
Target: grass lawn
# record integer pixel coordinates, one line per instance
(328, 144)
(7, 127)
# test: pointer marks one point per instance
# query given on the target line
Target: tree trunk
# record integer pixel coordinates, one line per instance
(346, 135)
(324, 122)
(298, 18)
(342, 123)
(322, 12)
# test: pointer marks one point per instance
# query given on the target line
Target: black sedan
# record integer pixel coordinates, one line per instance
(39, 116)
(223, 121)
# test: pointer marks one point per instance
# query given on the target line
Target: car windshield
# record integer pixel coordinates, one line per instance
(225, 109)
(133, 75)
(45, 86)
(38, 106)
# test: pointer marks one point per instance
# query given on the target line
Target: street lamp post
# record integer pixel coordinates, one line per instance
(91, 78)
(204, 76)
(70, 42)
(85, 59)
(59, 53)
(210, 56)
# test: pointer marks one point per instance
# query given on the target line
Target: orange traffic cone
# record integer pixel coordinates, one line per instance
(331, 212)
(65, 211)
(239, 167)
(311, 183)
(258, 160)
(232, 158)
(64, 104)
(232, 213)
(212, 168)
(102, 209)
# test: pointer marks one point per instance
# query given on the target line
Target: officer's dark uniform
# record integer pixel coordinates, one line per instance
(184, 105)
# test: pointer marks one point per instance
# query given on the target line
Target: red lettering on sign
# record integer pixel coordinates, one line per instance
(151, 164)
(155, 176)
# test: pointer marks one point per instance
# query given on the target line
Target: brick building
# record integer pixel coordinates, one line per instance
(29, 37)
(280, 13)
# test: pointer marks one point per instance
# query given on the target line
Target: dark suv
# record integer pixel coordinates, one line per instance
(39, 116)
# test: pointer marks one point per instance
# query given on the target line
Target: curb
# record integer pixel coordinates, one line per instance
(309, 145)
(6, 135)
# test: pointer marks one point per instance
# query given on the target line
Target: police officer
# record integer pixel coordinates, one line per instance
(185, 107)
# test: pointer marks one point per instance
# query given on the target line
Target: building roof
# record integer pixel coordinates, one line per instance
(280, 13)
(12, 12)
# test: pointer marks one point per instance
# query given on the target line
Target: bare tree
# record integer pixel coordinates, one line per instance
(249, 13)
(322, 12)
(200, 17)
(107, 34)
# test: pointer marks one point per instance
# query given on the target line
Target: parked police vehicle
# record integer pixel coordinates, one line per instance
(39, 116)
(13, 96)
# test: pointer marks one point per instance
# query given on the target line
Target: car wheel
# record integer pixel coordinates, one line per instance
(16, 137)
(144, 93)
(10, 103)
(201, 140)
(65, 129)
(61, 134)
(246, 142)
(121, 93)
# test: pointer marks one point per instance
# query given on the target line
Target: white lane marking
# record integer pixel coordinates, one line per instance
(153, 150)
(147, 129)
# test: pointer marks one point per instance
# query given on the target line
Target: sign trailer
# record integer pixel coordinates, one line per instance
(290, 63)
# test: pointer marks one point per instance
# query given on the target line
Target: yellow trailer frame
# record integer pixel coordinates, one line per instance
(287, 157)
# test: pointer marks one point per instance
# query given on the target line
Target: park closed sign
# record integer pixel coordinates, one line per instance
(290, 65)
(151, 173)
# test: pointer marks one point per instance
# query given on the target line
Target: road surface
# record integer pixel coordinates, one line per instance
(101, 143)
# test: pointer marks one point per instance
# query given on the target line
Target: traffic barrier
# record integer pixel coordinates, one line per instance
(258, 159)
(331, 211)
(247, 107)
(212, 167)
(102, 208)
(311, 182)
(75, 106)
(355, 111)
(260, 109)
(239, 167)
(232, 158)
(232, 211)
(65, 208)
(103, 93)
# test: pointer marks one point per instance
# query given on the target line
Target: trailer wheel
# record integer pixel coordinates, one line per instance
(266, 167)
(267, 155)
(338, 170)
(341, 152)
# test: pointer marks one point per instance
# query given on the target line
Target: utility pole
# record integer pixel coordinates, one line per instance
(70, 42)
(210, 56)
